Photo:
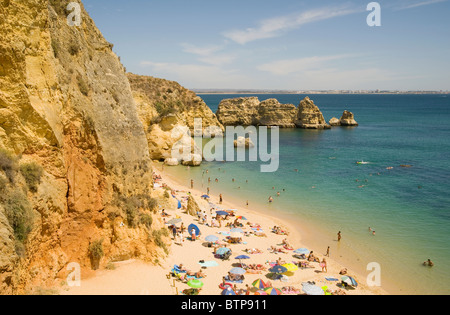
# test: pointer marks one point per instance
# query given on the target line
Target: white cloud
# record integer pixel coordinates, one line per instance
(207, 54)
(275, 26)
(196, 76)
(419, 4)
(200, 51)
(289, 66)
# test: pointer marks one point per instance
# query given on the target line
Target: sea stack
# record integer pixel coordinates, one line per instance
(348, 119)
(309, 116)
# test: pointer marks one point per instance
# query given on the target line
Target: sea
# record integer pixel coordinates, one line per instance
(402, 193)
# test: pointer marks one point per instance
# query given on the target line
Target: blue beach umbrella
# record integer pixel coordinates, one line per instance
(222, 251)
(278, 269)
(238, 271)
(228, 291)
(242, 257)
(236, 230)
(211, 238)
(222, 213)
(350, 281)
(179, 204)
(302, 251)
(206, 196)
(195, 228)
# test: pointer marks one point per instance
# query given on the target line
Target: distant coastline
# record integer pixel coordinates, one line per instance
(357, 92)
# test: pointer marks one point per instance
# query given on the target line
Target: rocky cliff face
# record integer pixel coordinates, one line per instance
(66, 105)
(164, 105)
(249, 111)
(310, 116)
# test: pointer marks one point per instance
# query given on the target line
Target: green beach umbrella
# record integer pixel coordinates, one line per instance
(194, 283)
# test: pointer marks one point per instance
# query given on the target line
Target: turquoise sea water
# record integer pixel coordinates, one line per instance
(409, 208)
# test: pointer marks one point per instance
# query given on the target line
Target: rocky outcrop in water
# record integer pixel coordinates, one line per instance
(310, 116)
(348, 119)
(249, 111)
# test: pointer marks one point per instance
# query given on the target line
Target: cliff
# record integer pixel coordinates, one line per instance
(66, 105)
(164, 105)
(249, 111)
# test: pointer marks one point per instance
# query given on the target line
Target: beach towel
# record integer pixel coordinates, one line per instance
(331, 279)
(209, 264)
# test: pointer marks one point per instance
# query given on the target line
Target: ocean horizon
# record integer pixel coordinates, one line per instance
(408, 207)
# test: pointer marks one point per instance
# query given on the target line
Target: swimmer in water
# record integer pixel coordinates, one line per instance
(270, 199)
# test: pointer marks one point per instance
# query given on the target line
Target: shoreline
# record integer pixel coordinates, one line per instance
(132, 277)
(296, 230)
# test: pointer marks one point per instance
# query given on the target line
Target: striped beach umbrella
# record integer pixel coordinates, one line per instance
(222, 251)
(260, 284)
(273, 291)
(350, 281)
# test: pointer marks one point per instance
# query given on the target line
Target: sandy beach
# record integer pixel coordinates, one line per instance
(135, 277)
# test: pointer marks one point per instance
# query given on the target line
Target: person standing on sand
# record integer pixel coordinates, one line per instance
(328, 252)
(192, 184)
(323, 265)
(220, 199)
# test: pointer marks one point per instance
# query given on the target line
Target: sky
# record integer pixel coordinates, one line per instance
(280, 44)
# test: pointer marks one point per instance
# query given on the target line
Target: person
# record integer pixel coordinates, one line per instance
(339, 236)
(193, 234)
(174, 231)
(428, 263)
(270, 199)
(247, 291)
(323, 265)
(220, 198)
(207, 190)
(192, 184)
(328, 252)
(182, 228)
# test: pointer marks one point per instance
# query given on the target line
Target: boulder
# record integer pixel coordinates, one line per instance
(243, 142)
(171, 162)
(348, 119)
(335, 122)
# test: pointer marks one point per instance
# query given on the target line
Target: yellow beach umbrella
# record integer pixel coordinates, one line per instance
(290, 267)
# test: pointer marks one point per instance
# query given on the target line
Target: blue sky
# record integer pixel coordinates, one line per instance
(289, 45)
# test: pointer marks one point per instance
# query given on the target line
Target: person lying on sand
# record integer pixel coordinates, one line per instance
(313, 258)
(253, 251)
(273, 249)
(280, 261)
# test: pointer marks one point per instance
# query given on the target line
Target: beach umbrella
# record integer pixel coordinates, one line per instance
(179, 204)
(228, 291)
(236, 235)
(278, 269)
(302, 251)
(195, 228)
(273, 291)
(194, 283)
(238, 271)
(311, 289)
(222, 212)
(174, 221)
(259, 284)
(206, 196)
(242, 257)
(222, 251)
(211, 238)
(236, 230)
(290, 267)
(350, 281)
